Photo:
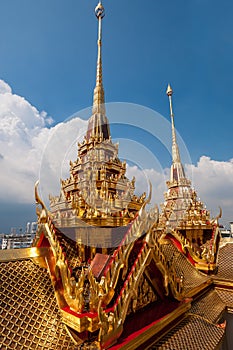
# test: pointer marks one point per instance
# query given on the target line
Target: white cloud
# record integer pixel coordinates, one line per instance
(213, 181)
(60, 148)
(24, 135)
(30, 149)
(4, 87)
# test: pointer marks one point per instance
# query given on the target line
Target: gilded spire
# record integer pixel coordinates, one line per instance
(177, 170)
(98, 100)
(175, 149)
(98, 125)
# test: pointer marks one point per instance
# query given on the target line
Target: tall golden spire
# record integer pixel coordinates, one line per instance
(175, 148)
(98, 99)
(98, 125)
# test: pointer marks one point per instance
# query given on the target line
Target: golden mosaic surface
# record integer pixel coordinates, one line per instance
(192, 333)
(192, 278)
(225, 262)
(210, 306)
(29, 316)
(226, 296)
(199, 330)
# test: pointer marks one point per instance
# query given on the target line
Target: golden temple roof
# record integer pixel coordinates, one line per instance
(29, 315)
(200, 329)
(139, 291)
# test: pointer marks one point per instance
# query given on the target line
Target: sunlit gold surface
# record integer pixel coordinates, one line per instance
(155, 262)
(71, 292)
(29, 316)
(21, 254)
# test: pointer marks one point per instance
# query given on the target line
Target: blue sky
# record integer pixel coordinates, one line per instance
(48, 57)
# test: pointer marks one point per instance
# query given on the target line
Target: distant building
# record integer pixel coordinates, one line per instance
(13, 231)
(231, 224)
(225, 232)
(31, 227)
(2, 235)
(18, 239)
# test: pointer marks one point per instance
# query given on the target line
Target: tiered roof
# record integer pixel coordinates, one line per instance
(184, 217)
(97, 191)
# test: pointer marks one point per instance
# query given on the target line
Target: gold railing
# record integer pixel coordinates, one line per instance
(204, 256)
(141, 225)
(167, 269)
(71, 288)
(112, 320)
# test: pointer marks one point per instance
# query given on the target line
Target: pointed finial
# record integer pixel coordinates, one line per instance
(169, 91)
(99, 10)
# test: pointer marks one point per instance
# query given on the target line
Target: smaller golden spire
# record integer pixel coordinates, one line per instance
(175, 149)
